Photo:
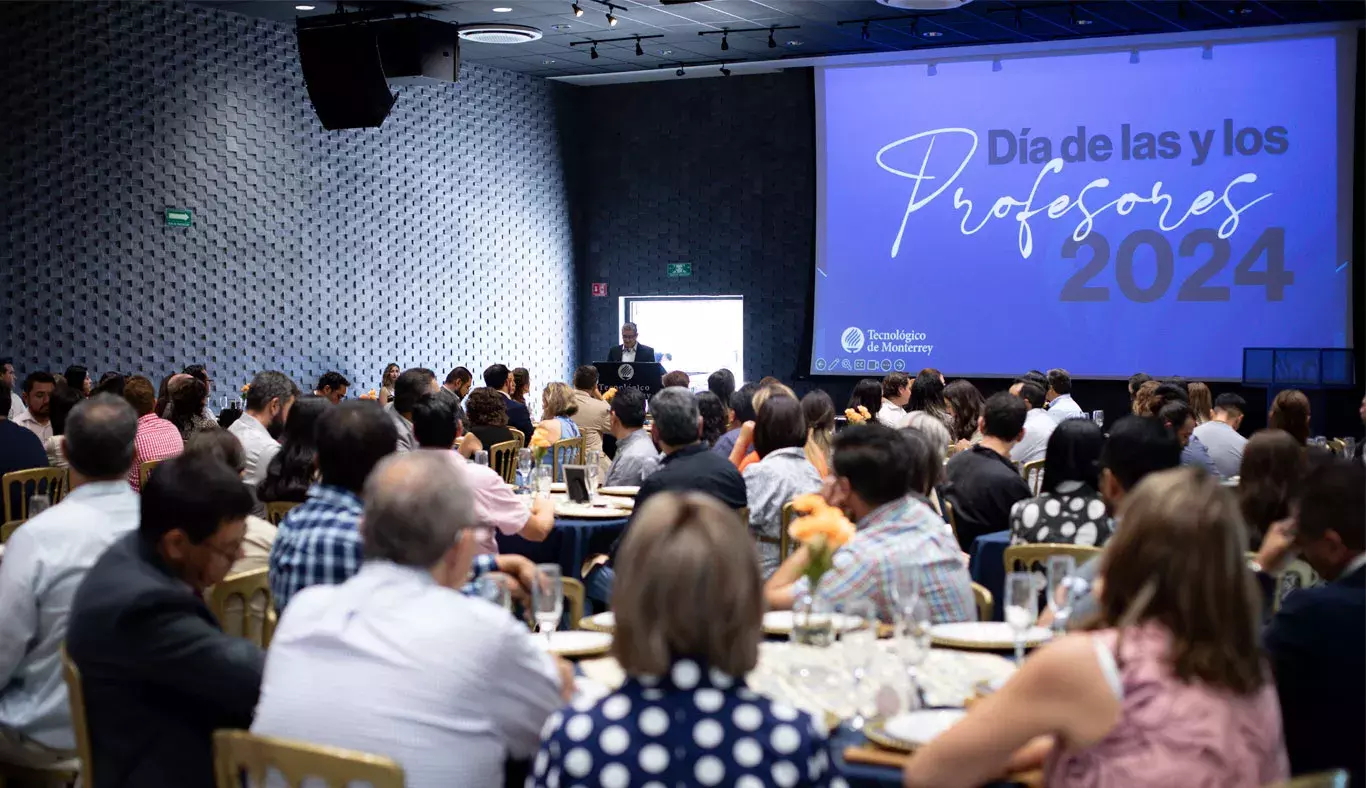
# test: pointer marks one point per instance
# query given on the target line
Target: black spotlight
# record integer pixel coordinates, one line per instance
(593, 52)
(611, 20)
(680, 72)
(725, 72)
(577, 11)
(639, 51)
(725, 42)
(771, 43)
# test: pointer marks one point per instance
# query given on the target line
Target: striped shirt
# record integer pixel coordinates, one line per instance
(893, 539)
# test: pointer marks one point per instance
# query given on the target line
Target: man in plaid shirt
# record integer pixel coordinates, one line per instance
(899, 536)
(157, 438)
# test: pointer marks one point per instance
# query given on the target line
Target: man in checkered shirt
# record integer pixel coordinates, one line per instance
(157, 438)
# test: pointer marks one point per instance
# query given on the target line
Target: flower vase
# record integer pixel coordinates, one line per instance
(813, 620)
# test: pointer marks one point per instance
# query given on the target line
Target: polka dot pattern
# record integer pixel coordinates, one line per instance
(1073, 515)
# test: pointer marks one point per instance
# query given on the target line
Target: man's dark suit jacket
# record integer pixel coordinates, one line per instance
(159, 674)
(644, 354)
(519, 418)
(693, 468)
(1317, 646)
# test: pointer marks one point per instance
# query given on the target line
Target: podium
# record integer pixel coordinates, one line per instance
(644, 376)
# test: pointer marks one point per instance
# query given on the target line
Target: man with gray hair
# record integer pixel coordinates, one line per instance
(685, 464)
(458, 683)
(45, 561)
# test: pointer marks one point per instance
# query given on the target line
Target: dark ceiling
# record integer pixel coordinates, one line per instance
(819, 29)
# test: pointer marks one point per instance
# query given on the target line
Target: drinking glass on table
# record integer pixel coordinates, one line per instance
(542, 479)
(525, 464)
(1022, 608)
(591, 459)
(912, 642)
(1349, 448)
(37, 504)
(1098, 416)
(858, 643)
(481, 457)
(547, 599)
(493, 588)
(1062, 571)
(907, 587)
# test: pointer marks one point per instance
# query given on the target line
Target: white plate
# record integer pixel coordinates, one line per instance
(628, 492)
(589, 512)
(602, 622)
(921, 727)
(576, 642)
(779, 622)
(984, 634)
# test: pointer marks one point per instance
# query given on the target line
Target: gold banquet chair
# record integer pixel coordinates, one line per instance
(238, 754)
(145, 471)
(521, 438)
(243, 606)
(1338, 778)
(786, 545)
(1032, 472)
(503, 459)
(75, 698)
(276, 510)
(20, 486)
(982, 598)
(1038, 554)
(573, 455)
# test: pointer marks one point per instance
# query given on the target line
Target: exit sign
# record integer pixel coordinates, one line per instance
(680, 269)
(183, 218)
(599, 289)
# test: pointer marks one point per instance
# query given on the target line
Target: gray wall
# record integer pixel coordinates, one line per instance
(442, 238)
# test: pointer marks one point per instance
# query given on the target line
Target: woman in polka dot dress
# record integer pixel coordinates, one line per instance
(684, 716)
(1070, 510)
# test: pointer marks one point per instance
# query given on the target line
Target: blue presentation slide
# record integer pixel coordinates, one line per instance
(1107, 213)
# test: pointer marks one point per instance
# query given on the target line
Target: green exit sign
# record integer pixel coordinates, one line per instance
(183, 218)
(680, 269)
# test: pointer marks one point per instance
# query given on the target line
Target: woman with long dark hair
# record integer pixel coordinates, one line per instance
(189, 395)
(294, 467)
(1269, 480)
(387, 381)
(868, 393)
(927, 399)
(965, 404)
(715, 417)
(1069, 510)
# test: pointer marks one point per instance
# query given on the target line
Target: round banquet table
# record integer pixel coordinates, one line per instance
(987, 567)
(862, 775)
(571, 541)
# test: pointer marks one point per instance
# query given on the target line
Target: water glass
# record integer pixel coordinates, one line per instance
(38, 504)
(1098, 416)
(1022, 608)
(591, 459)
(858, 644)
(1062, 570)
(547, 599)
(1349, 448)
(493, 588)
(542, 477)
(907, 586)
(525, 464)
(481, 457)
(912, 643)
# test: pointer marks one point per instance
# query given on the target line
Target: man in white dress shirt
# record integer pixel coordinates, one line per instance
(45, 561)
(16, 404)
(1038, 426)
(269, 398)
(1061, 406)
(896, 393)
(36, 416)
(396, 661)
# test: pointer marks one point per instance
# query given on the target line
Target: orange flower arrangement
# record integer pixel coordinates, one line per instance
(245, 388)
(857, 415)
(540, 442)
(609, 394)
(371, 394)
(823, 529)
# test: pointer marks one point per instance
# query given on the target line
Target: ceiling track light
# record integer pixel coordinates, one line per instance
(578, 11)
(725, 72)
(864, 32)
(639, 50)
(593, 52)
(725, 41)
(680, 72)
(771, 43)
(611, 20)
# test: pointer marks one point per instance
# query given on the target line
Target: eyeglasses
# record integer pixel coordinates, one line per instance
(231, 553)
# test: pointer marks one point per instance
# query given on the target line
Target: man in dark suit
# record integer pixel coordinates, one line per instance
(1317, 640)
(499, 378)
(159, 674)
(630, 349)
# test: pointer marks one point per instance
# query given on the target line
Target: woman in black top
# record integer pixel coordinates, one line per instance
(294, 467)
(487, 412)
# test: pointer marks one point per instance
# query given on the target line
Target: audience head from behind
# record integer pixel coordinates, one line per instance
(868, 393)
(819, 411)
(1269, 480)
(1002, 421)
(499, 378)
(459, 381)
(521, 384)
(677, 378)
(269, 397)
(628, 412)
(1059, 383)
(293, 468)
(1031, 393)
(78, 378)
(1201, 400)
(188, 396)
(1135, 448)
(1177, 417)
(870, 463)
(352, 438)
(201, 373)
(220, 446)
(64, 398)
(586, 378)
(1037, 378)
(434, 423)
(411, 386)
(38, 388)
(1144, 398)
(715, 417)
(1290, 412)
(6, 389)
(99, 439)
(139, 393)
(781, 425)
(194, 515)
(1135, 381)
(677, 421)
(896, 388)
(1165, 394)
(1229, 408)
(925, 462)
(742, 403)
(927, 393)
(1178, 562)
(1331, 523)
(487, 407)
(332, 387)
(110, 383)
(557, 399)
(722, 384)
(1073, 455)
(965, 402)
(691, 557)
(419, 513)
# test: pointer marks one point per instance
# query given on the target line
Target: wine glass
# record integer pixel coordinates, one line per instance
(1061, 575)
(525, 464)
(591, 459)
(1022, 608)
(858, 642)
(913, 643)
(493, 587)
(481, 457)
(1098, 416)
(547, 599)
(37, 504)
(907, 586)
(541, 479)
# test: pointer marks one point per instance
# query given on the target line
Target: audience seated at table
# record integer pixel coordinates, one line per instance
(157, 438)
(189, 400)
(927, 398)
(1220, 434)
(782, 473)
(875, 473)
(1317, 640)
(487, 412)
(455, 389)
(63, 399)
(13, 405)
(270, 395)
(1168, 686)
(332, 387)
(496, 506)
(688, 621)
(395, 661)
(521, 385)
(1273, 467)
(44, 563)
(637, 456)
(159, 674)
(498, 378)
(819, 411)
(411, 386)
(20, 450)
(1176, 416)
(1070, 509)
(1038, 426)
(742, 410)
(722, 384)
(38, 388)
(965, 405)
(1061, 406)
(592, 414)
(557, 405)
(982, 483)
(223, 447)
(926, 466)
(387, 379)
(1143, 398)
(294, 468)
(896, 395)
(78, 378)
(1290, 412)
(867, 393)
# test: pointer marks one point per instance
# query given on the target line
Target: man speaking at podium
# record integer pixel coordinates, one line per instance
(630, 351)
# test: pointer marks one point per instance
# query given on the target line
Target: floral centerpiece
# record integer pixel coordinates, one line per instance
(245, 388)
(540, 443)
(609, 394)
(858, 415)
(371, 395)
(822, 529)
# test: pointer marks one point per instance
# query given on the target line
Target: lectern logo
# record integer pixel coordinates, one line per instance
(852, 340)
(626, 371)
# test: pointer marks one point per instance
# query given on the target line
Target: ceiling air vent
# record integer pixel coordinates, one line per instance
(491, 33)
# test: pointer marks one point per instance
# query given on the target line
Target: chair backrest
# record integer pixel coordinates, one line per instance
(239, 753)
(950, 517)
(145, 472)
(1033, 475)
(985, 604)
(75, 698)
(22, 485)
(785, 543)
(574, 594)
(1031, 554)
(503, 459)
(240, 603)
(566, 452)
(276, 510)
(1338, 778)
(520, 436)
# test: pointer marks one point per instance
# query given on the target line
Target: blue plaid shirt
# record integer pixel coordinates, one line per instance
(319, 543)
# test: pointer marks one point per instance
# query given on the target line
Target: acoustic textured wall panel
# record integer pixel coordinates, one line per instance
(442, 238)
(719, 173)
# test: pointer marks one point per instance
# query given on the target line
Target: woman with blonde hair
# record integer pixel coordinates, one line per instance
(387, 381)
(1201, 401)
(819, 411)
(688, 610)
(557, 405)
(1168, 686)
(1290, 412)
